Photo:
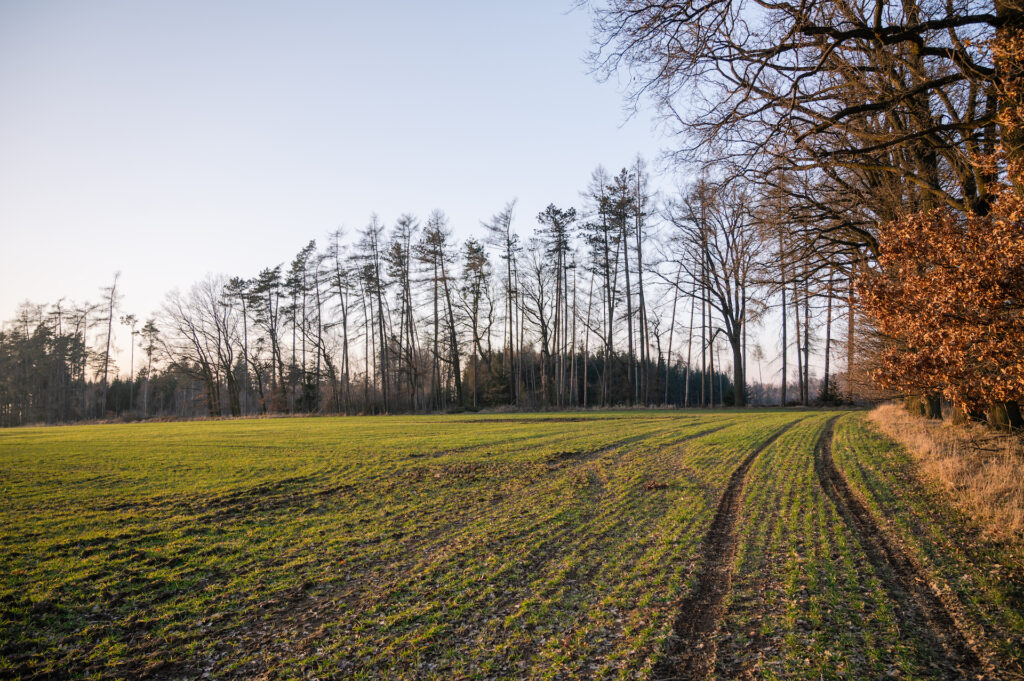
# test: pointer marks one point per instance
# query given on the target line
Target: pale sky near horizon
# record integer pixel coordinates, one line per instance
(171, 140)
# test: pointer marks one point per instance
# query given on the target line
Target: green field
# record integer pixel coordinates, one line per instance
(642, 544)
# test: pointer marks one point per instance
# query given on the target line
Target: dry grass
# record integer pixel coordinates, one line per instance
(983, 470)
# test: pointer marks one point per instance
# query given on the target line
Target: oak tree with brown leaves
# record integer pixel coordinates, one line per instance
(949, 287)
(950, 291)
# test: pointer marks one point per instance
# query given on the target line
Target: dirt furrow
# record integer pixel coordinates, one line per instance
(692, 647)
(922, 613)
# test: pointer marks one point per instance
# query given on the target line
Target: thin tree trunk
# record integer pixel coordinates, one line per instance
(689, 350)
(574, 393)
(826, 391)
(453, 339)
(703, 341)
(586, 340)
(131, 376)
(799, 358)
(711, 366)
(436, 367)
(106, 354)
(785, 341)
(369, 345)
(522, 334)
(743, 327)
(631, 368)
(807, 342)
(671, 331)
(849, 340)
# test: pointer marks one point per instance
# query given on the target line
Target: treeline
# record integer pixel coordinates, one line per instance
(628, 301)
(631, 299)
(40, 385)
(51, 373)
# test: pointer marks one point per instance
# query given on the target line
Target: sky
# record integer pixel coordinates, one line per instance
(169, 140)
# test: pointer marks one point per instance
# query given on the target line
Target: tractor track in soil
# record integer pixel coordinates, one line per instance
(921, 611)
(691, 646)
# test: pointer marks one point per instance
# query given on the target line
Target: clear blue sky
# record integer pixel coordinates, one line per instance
(172, 139)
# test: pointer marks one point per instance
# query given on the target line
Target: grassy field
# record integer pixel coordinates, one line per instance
(643, 544)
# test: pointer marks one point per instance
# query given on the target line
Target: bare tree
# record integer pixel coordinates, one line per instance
(197, 337)
(556, 234)
(501, 236)
(902, 89)
(112, 298)
(342, 287)
(399, 259)
(371, 257)
(541, 276)
(131, 321)
(603, 237)
(714, 221)
(475, 295)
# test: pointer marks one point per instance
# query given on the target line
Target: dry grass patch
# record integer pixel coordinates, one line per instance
(983, 470)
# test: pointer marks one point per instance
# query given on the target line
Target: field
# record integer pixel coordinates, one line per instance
(642, 544)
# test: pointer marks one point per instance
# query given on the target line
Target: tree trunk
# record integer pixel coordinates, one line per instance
(849, 341)
(671, 331)
(631, 376)
(689, 353)
(1005, 416)
(799, 356)
(807, 342)
(703, 340)
(738, 379)
(453, 339)
(826, 391)
(782, 277)
(711, 368)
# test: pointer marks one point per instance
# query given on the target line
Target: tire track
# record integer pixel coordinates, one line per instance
(921, 611)
(691, 646)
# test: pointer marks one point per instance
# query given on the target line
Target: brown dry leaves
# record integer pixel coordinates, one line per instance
(950, 290)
